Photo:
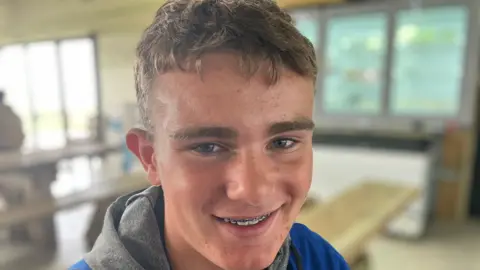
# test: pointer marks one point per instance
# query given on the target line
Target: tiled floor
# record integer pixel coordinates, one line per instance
(71, 226)
(446, 247)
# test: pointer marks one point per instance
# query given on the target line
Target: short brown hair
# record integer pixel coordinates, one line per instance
(184, 30)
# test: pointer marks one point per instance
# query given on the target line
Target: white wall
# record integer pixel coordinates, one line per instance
(3, 18)
(46, 19)
(116, 58)
(337, 168)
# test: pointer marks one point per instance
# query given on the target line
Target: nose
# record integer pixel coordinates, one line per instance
(249, 179)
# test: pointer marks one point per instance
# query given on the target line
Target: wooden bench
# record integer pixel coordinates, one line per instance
(101, 193)
(351, 220)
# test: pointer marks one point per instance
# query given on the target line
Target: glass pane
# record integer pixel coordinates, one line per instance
(44, 83)
(355, 54)
(308, 24)
(429, 56)
(13, 80)
(79, 84)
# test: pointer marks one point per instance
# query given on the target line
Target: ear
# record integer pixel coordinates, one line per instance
(139, 144)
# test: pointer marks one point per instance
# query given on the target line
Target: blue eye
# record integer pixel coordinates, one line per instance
(207, 148)
(282, 144)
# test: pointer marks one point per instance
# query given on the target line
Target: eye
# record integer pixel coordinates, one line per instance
(208, 149)
(280, 144)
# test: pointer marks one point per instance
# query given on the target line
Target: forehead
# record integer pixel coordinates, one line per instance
(221, 94)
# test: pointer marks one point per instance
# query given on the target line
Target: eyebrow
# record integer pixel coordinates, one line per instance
(204, 132)
(299, 123)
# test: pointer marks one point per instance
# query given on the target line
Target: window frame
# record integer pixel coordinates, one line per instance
(386, 121)
(335, 14)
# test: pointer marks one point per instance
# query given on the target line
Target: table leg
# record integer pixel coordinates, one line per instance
(362, 263)
(14, 189)
(44, 231)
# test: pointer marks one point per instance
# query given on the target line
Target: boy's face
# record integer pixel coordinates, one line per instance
(229, 150)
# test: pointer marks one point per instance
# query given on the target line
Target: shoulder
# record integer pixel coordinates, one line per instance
(81, 265)
(315, 252)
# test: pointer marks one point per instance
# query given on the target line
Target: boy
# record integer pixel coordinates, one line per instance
(226, 91)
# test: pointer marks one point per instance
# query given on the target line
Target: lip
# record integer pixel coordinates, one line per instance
(247, 217)
(242, 232)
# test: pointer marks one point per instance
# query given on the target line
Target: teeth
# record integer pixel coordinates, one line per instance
(246, 222)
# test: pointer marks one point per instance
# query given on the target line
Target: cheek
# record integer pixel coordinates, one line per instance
(190, 179)
(298, 166)
(296, 170)
(307, 171)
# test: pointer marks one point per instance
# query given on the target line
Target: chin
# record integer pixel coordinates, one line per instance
(252, 259)
(250, 264)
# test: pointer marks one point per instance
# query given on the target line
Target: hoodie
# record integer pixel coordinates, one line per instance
(132, 239)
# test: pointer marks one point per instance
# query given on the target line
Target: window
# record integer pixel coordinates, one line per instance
(390, 67)
(354, 61)
(52, 86)
(428, 64)
(79, 83)
(43, 83)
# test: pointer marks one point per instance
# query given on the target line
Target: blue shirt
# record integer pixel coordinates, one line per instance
(314, 252)
(309, 252)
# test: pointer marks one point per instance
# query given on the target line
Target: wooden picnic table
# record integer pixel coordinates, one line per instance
(17, 161)
(95, 193)
(101, 193)
(37, 170)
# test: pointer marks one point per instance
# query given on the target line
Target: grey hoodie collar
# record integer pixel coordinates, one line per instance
(132, 236)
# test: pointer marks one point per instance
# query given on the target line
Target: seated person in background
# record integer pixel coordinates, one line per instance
(11, 139)
(11, 131)
(226, 91)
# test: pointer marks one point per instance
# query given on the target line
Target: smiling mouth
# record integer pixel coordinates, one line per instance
(246, 221)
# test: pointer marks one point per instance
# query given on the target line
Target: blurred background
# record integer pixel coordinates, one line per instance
(396, 104)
